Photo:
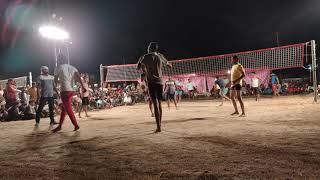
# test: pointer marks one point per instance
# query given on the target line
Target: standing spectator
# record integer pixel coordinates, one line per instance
(237, 75)
(275, 83)
(33, 92)
(24, 97)
(84, 96)
(151, 64)
(66, 73)
(45, 94)
(190, 88)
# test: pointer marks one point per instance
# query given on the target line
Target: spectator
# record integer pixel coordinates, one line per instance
(11, 93)
(33, 92)
(1, 91)
(30, 111)
(3, 111)
(275, 83)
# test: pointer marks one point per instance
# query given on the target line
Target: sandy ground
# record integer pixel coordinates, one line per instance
(279, 138)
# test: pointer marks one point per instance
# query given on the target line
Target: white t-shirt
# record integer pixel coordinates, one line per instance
(190, 86)
(65, 73)
(255, 82)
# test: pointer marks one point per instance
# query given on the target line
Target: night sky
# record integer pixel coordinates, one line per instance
(117, 32)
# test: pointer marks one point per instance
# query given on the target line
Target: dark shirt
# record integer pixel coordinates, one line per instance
(46, 83)
(220, 83)
(152, 64)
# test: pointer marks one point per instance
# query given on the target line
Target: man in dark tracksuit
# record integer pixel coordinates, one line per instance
(45, 94)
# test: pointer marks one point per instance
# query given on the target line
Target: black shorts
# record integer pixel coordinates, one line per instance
(155, 91)
(256, 90)
(236, 87)
(85, 101)
(170, 96)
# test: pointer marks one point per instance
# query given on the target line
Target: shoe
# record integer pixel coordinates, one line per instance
(53, 123)
(157, 130)
(57, 129)
(152, 115)
(76, 128)
(36, 125)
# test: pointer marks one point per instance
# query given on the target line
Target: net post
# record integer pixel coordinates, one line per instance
(314, 69)
(101, 76)
(30, 78)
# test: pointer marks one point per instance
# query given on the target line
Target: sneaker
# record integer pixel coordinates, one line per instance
(76, 128)
(57, 129)
(53, 123)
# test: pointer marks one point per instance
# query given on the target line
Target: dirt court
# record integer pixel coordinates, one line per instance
(279, 138)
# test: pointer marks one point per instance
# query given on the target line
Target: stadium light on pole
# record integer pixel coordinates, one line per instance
(57, 34)
(53, 32)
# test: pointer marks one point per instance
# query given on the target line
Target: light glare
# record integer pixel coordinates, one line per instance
(53, 32)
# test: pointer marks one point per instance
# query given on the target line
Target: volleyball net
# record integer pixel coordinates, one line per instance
(203, 69)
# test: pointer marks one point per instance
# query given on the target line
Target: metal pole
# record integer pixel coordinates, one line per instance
(55, 54)
(68, 56)
(277, 34)
(314, 69)
(30, 78)
(101, 76)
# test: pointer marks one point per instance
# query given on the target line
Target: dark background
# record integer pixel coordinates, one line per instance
(118, 31)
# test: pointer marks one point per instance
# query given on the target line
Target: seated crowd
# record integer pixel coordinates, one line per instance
(21, 103)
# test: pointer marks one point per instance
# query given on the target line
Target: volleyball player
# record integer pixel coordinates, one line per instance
(223, 90)
(145, 92)
(237, 75)
(151, 63)
(170, 89)
(178, 91)
(255, 84)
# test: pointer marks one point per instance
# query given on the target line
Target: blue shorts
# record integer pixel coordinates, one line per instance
(224, 91)
(179, 92)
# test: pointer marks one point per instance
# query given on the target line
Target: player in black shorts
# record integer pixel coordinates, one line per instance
(151, 63)
(145, 91)
(85, 95)
(170, 90)
(237, 75)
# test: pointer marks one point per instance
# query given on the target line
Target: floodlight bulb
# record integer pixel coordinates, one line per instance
(53, 32)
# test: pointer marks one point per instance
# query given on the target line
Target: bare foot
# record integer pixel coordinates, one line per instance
(87, 116)
(235, 113)
(221, 105)
(242, 115)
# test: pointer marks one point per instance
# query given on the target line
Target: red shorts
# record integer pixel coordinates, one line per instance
(274, 87)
